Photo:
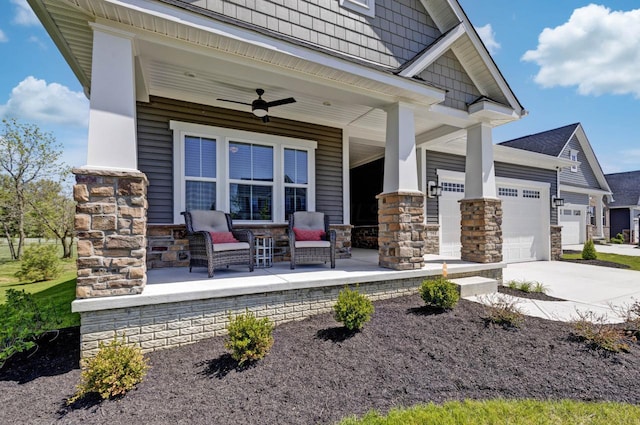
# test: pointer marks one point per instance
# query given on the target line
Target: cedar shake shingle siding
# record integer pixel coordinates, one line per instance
(155, 150)
(400, 30)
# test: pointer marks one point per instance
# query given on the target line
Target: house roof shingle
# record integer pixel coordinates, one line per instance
(550, 142)
(625, 188)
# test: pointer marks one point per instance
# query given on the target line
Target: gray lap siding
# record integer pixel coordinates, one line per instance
(155, 150)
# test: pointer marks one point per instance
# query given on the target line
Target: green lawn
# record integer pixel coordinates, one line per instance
(518, 412)
(60, 291)
(631, 261)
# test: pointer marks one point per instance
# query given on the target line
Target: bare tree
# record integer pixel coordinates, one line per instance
(26, 155)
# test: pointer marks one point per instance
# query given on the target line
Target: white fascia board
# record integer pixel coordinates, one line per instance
(583, 190)
(182, 17)
(487, 110)
(591, 157)
(434, 52)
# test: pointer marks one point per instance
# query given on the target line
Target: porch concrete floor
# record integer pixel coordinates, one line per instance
(177, 284)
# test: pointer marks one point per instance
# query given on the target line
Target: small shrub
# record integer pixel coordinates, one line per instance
(116, 369)
(618, 239)
(631, 316)
(39, 263)
(23, 320)
(352, 309)
(589, 251)
(513, 284)
(593, 330)
(539, 288)
(249, 338)
(504, 311)
(440, 293)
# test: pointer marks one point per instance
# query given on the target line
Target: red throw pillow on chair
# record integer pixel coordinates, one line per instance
(308, 235)
(222, 237)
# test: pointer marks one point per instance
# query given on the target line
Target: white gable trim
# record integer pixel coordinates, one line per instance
(436, 50)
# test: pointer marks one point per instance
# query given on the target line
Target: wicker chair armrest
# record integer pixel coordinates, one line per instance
(331, 236)
(244, 235)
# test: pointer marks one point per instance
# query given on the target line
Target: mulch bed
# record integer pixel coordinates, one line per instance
(317, 373)
(596, 262)
(529, 295)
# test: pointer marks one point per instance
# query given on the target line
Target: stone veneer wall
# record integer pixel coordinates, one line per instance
(401, 230)
(432, 239)
(169, 247)
(161, 326)
(365, 237)
(111, 225)
(556, 243)
(481, 236)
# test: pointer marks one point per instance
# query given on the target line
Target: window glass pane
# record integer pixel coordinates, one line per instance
(295, 166)
(295, 199)
(239, 161)
(200, 195)
(251, 202)
(301, 167)
(199, 157)
(262, 163)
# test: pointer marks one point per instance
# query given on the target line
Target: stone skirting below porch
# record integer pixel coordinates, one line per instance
(157, 320)
(169, 247)
(367, 237)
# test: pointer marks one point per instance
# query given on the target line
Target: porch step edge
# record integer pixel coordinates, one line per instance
(475, 285)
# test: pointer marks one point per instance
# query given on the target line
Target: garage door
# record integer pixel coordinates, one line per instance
(571, 219)
(525, 225)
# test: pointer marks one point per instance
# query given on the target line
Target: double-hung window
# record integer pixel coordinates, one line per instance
(253, 176)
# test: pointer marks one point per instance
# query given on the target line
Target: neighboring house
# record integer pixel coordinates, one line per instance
(582, 186)
(624, 209)
(176, 122)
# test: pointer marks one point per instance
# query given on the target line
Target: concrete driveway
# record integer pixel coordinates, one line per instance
(585, 288)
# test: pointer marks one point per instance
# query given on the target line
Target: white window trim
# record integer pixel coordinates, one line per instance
(222, 137)
(574, 154)
(364, 7)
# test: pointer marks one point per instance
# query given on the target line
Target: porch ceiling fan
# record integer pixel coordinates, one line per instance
(260, 107)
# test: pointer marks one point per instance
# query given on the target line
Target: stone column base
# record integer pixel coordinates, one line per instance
(401, 234)
(432, 239)
(111, 226)
(556, 243)
(481, 235)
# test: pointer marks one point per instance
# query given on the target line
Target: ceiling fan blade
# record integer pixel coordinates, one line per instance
(234, 101)
(281, 102)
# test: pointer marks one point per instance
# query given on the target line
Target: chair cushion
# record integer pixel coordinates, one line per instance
(306, 220)
(230, 246)
(209, 221)
(313, 244)
(223, 237)
(308, 234)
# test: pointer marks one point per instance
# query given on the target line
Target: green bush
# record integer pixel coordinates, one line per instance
(589, 251)
(352, 309)
(116, 369)
(618, 239)
(249, 338)
(23, 320)
(594, 330)
(440, 293)
(39, 263)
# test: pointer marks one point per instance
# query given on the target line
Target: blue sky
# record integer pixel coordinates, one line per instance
(567, 61)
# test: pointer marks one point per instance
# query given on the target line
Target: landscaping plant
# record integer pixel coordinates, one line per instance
(589, 251)
(593, 330)
(249, 338)
(503, 311)
(116, 369)
(440, 293)
(39, 263)
(527, 286)
(618, 239)
(23, 320)
(352, 309)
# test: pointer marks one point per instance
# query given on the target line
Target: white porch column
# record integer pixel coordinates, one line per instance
(480, 177)
(598, 215)
(112, 115)
(400, 163)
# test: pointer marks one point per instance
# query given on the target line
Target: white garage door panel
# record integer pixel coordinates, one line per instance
(525, 230)
(572, 221)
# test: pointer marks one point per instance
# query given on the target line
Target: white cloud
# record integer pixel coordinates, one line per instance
(36, 101)
(3, 37)
(35, 40)
(595, 50)
(24, 14)
(488, 37)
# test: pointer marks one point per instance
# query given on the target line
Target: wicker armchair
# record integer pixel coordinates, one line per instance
(310, 251)
(205, 253)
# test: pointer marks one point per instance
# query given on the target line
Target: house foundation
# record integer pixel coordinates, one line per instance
(111, 226)
(401, 238)
(481, 236)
